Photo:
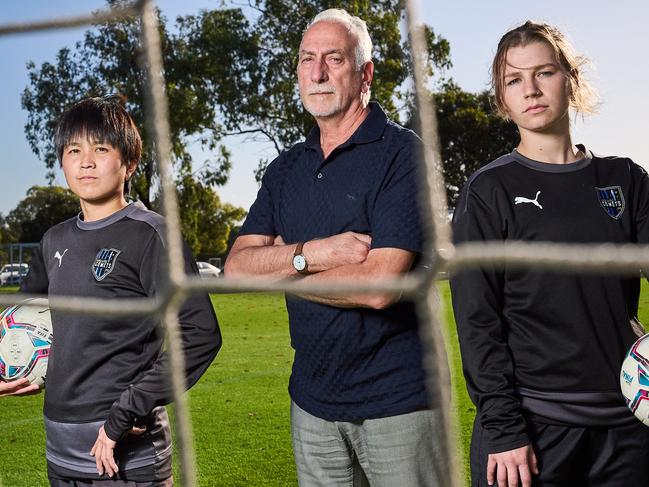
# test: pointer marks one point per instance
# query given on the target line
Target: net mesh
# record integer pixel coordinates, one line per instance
(419, 286)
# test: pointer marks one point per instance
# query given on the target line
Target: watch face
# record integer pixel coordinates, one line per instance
(299, 262)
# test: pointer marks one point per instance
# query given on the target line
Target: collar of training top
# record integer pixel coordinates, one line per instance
(110, 219)
(555, 168)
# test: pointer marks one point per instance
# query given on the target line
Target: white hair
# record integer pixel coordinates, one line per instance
(355, 26)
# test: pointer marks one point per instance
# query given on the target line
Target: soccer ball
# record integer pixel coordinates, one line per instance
(25, 340)
(634, 379)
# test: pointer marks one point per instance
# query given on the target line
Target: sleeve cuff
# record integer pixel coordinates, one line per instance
(507, 433)
(508, 444)
(117, 424)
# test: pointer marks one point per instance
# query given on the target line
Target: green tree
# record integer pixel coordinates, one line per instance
(105, 62)
(4, 238)
(471, 134)
(225, 75)
(277, 111)
(42, 208)
(206, 222)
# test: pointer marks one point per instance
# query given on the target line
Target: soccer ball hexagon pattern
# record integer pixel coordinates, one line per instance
(25, 340)
(634, 379)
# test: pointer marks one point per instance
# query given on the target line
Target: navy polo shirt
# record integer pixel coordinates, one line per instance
(354, 363)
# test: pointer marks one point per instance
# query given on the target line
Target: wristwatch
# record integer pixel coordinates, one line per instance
(299, 261)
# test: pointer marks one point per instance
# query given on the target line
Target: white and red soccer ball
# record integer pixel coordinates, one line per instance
(25, 340)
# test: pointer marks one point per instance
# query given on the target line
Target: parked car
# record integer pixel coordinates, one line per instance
(207, 270)
(12, 274)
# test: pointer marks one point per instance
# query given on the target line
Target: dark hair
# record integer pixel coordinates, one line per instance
(582, 96)
(103, 120)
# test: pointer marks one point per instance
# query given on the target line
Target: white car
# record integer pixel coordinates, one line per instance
(207, 270)
(13, 273)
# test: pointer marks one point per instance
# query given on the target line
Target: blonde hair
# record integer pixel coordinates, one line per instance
(583, 97)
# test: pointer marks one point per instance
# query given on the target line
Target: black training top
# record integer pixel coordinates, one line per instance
(110, 370)
(349, 363)
(547, 342)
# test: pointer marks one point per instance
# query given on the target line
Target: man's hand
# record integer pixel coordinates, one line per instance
(269, 257)
(20, 387)
(508, 466)
(102, 450)
(338, 250)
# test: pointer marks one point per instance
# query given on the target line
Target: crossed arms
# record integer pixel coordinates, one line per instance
(343, 257)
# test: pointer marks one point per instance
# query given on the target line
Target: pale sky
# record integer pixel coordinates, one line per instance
(614, 35)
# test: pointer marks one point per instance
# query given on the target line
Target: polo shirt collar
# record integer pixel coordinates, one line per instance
(370, 130)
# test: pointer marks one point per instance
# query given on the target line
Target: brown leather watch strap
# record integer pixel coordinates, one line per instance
(298, 249)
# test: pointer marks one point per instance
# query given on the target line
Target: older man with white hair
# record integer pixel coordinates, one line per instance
(342, 205)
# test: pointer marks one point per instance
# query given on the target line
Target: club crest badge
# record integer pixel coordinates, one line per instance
(612, 200)
(104, 263)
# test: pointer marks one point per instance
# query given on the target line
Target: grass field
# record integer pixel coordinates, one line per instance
(240, 408)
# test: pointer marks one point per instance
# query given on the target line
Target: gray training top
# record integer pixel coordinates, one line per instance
(110, 370)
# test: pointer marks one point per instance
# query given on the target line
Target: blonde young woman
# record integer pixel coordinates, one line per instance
(542, 350)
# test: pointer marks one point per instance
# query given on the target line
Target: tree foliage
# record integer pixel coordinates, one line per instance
(205, 221)
(227, 72)
(471, 134)
(42, 208)
(106, 62)
(281, 117)
(232, 70)
(5, 238)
